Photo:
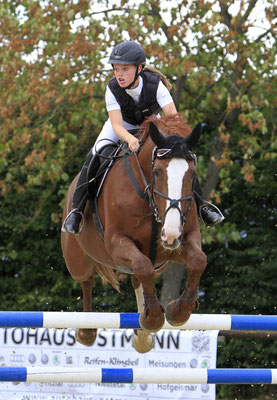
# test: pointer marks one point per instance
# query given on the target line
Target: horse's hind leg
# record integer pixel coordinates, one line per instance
(142, 340)
(83, 335)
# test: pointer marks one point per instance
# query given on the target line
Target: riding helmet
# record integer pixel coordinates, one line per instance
(127, 53)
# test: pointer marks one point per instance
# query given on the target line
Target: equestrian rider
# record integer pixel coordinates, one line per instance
(134, 93)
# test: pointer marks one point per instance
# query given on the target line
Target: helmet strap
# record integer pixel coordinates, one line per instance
(135, 78)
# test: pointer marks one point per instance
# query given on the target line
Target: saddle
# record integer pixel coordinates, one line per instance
(107, 156)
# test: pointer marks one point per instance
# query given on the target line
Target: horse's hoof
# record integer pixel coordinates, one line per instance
(86, 337)
(143, 342)
(153, 324)
(174, 317)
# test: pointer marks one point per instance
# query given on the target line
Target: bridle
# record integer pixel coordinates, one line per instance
(150, 188)
(173, 203)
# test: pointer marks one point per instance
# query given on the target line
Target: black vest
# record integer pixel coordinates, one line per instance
(134, 113)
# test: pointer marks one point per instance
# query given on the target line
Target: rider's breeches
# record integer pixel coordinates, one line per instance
(107, 135)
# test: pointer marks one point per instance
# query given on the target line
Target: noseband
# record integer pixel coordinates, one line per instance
(173, 203)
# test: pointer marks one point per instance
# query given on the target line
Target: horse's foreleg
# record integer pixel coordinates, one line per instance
(87, 336)
(125, 253)
(142, 341)
(179, 311)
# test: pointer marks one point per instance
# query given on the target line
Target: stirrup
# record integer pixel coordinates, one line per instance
(211, 205)
(68, 215)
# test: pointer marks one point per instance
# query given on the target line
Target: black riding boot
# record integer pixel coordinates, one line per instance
(209, 217)
(72, 221)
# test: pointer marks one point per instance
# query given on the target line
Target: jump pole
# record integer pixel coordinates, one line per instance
(138, 375)
(49, 319)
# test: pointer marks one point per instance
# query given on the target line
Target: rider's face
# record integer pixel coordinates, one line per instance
(125, 74)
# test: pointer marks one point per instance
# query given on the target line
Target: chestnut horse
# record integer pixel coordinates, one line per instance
(163, 172)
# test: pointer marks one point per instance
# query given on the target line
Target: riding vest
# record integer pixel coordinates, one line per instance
(134, 113)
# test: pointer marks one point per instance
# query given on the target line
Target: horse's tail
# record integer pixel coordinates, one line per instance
(108, 275)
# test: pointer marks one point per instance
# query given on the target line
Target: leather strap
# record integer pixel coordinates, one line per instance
(96, 218)
(133, 180)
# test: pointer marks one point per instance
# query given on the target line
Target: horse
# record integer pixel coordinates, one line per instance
(149, 216)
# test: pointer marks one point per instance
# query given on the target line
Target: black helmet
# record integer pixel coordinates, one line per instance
(127, 53)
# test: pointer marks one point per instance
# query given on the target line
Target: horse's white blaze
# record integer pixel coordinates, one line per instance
(172, 225)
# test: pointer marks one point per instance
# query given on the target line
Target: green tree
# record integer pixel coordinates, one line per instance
(221, 59)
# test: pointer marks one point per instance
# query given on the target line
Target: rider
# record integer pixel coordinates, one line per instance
(135, 92)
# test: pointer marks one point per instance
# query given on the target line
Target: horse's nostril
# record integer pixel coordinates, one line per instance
(171, 246)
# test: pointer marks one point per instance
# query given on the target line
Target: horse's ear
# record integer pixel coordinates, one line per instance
(156, 136)
(194, 136)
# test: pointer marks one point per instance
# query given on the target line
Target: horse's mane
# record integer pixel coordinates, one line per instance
(168, 125)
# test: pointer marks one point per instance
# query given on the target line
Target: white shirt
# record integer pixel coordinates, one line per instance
(107, 134)
(163, 96)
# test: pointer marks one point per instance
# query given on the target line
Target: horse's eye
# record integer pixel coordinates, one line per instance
(157, 172)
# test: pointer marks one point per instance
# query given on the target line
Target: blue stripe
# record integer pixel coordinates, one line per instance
(254, 322)
(129, 321)
(239, 376)
(21, 319)
(124, 375)
(13, 374)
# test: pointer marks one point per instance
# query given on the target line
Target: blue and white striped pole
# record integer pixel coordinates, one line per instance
(131, 321)
(138, 375)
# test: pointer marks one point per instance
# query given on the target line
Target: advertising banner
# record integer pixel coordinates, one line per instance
(24, 347)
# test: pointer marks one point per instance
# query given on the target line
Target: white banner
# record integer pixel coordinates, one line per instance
(22, 347)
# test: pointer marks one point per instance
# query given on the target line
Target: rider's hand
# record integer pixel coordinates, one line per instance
(133, 143)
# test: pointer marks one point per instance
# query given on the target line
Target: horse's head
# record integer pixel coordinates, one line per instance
(173, 172)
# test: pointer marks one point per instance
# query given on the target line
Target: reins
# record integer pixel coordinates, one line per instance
(146, 194)
(149, 189)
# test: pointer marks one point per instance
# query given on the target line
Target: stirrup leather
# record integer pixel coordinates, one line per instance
(68, 215)
(211, 205)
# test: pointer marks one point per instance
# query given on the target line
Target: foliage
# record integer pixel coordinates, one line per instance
(220, 57)
(240, 276)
